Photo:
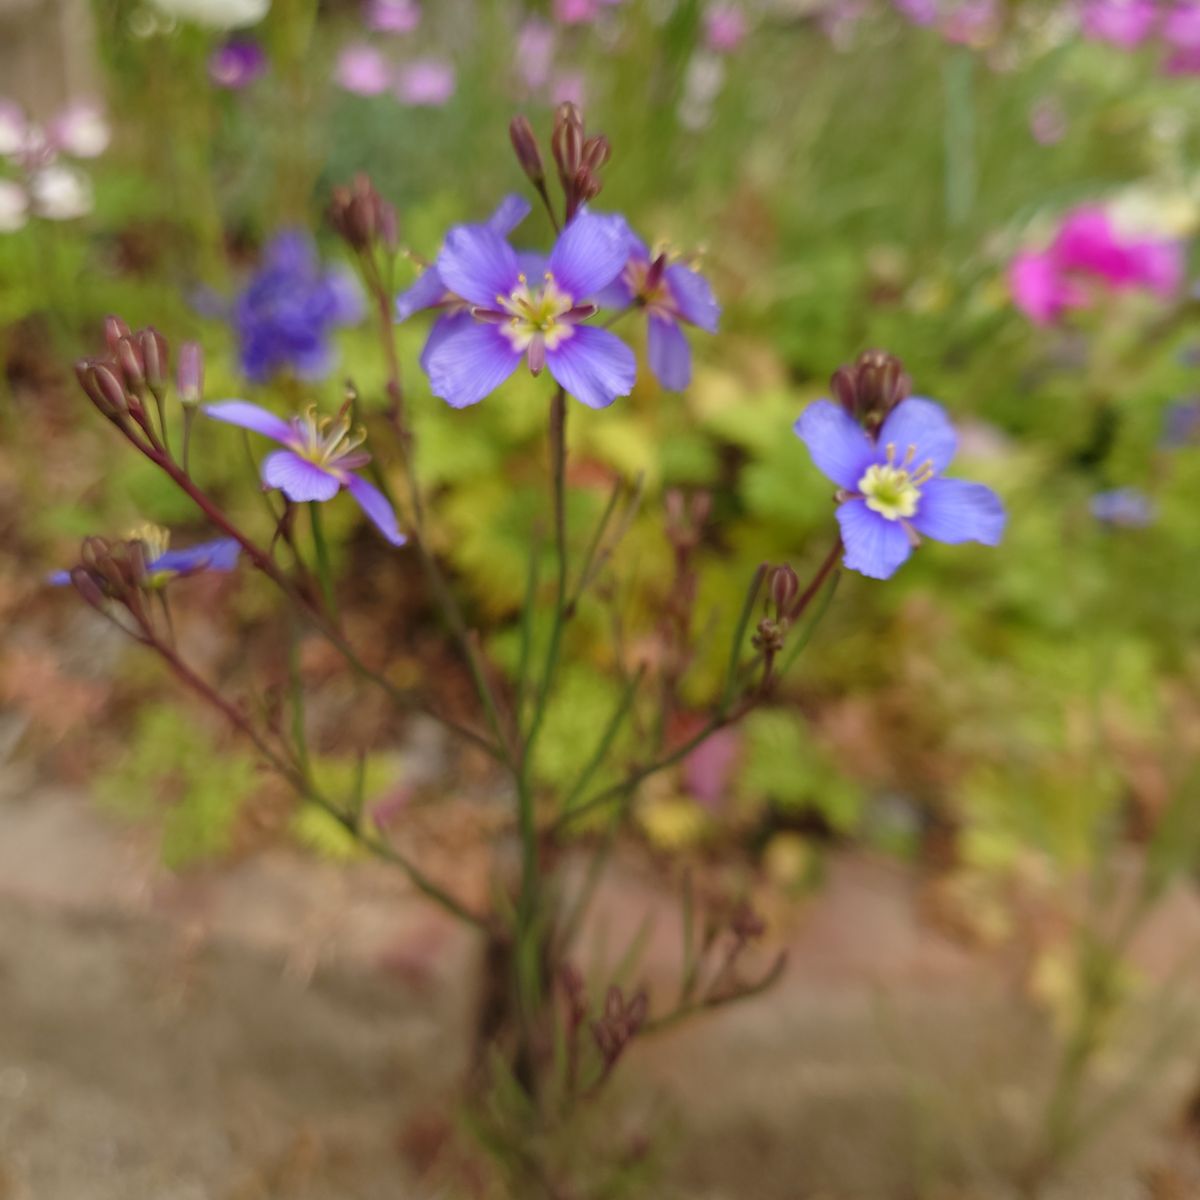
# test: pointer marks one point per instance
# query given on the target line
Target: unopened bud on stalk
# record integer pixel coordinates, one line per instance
(596, 152)
(154, 352)
(189, 379)
(87, 587)
(131, 365)
(102, 387)
(114, 330)
(566, 142)
(870, 388)
(362, 217)
(784, 586)
(526, 149)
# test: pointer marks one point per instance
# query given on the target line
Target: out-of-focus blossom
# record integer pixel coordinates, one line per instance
(1181, 424)
(12, 128)
(725, 27)
(535, 53)
(569, 87)
(287, 313)
(1183, 61)
(1181, 26)
(237, 64)
(427, 82)
(840, 20)
(1125, 23)
(81, 130)
(671, 295)
(392, 16)
(1087, 252)
(14, 206)
(919, 12)
(363, 69)
(1127, 507)
(216, 14)
(1048, 122)
(533, 309)
(319, 457)
(892, 491)
(971, 22)
(163, 565)
(708, 770)
(60, 193)
(581, 12)
(702, 83)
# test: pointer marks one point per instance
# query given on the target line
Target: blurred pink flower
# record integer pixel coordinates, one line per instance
(535, 53)
(237, 64)
(1182, 26)
(708, 770)
(569, 87)
(14, 206)
(392, 16)
(427, 82)
(1125, 23)
(1039, 288)
(580, 12)
(1184, 61)
(971, 22)
(919, 12)
(724, 27)
(362, 69)
(12, 128)
(1048, 122)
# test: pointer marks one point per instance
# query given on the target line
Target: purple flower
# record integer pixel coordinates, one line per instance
(286, 313)
(163, 565)
(919, 12)
(426, 82)
(1126, 507)
(1181, 27)
(1181, 424)
(890, 487)
(534, 53)
(319, 458)
(362, 69)
(236, 64)
(581, 12)
(530, 308)
(1124, 23)
(671, 295)
(392, 16)
(724, 27)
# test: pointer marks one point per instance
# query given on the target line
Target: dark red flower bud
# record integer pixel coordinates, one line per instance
(114, 330)
(102, 387)
(526, 149)
(87, 587)
(362, 217)
(566, 142)
(131, 364)
(870, 388)
(785, 587)
(154, 352)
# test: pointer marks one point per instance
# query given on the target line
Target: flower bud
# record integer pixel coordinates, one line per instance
(130, 364)
(114, 330)
(784, 588)
(872, 387)
(87, 587)
(362, 218)
(190, 377)
(154, 352)
(566, 141)
(102, 387)
(526, 149)
(596, 152)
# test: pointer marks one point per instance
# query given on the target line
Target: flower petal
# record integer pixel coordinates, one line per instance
(510, 212)
(589, 254)
(250, 416)
(924, 425)
(470, 361)
(298, 479)
(375, 504)
(427, 291)
(218, 555)
(953, 510)
(875, 546)
(478, 264)
(669, 354)
(839, 447)
(442, 328)
(694, 297)
(594, 366)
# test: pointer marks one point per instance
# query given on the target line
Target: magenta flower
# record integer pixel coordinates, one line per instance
(1124, 23)
(671, 295)
(581, 12)
(531, 308)
(392, 16)
(318, 459)
(1088, 253)
(362, 69)
(724, 27)
(1181, 27)
(237, 64)
(919, 12)
(426, 82)
(890, 488)
(568, 87)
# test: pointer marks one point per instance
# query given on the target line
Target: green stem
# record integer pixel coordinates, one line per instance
(321, 547)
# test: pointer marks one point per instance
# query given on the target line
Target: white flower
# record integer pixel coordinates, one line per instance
(61, 193)
(217, 14)
(12, 128)
(81, 131)
(14, 205)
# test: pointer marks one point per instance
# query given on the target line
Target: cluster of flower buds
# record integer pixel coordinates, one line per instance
(113, 572)
(871, 387)
(783, 588)
(362, 218)
(577, 157)
(619, 1023)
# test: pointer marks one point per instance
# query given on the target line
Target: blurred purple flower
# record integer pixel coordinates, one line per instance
(581, 12)
(237, 64)
(426, 82)
(318, 459)
(919, 12)
(1124, 23)
(362, 69)
(534, 53)
(1181, 424)
(162, 564)
(671, 295)
(392, 16)
(725, 27)
(891, 490)
(286, 313)
(708, 770)
(1181, 26)
(971, 22)
(569, 87)
(1126, 507)
(511, 319)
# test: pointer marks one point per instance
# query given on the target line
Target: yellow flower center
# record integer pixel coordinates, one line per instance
(893, 489)
(154, 538)
(536, 314)
(327, 441)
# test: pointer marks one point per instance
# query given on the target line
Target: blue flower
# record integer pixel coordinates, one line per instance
(671, 295)
(891, 489)
(1125, 506)
(163, 565)
(286, 313)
